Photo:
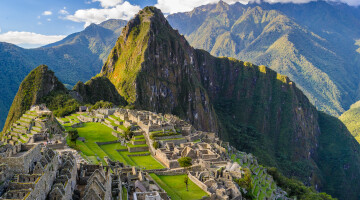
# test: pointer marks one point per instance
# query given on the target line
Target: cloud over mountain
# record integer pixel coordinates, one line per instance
(29, 38)
(123, 11)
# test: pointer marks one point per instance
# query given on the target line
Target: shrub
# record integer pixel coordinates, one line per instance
(156, 145)
(185, 162)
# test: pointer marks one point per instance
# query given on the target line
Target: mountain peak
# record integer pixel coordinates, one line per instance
(222, 4)
(40, 82)
(148, 15)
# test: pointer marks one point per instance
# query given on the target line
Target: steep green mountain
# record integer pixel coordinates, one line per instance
(97, 89)
(351, 119)
(298, 40)
(38, 84)
(41, 86)
(77, 57)
(252, 107)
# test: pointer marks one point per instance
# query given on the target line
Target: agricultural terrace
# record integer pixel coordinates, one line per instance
(176, 188)
(94, 153)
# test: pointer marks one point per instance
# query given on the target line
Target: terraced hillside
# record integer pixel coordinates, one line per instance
(29, 125)
(102, 141)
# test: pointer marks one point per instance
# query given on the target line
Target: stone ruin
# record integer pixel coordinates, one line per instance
(29, 171)
(96, 182)
(34, 126)
(140, 184)
(34, 171)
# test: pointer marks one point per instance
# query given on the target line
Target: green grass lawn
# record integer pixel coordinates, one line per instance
(140, 161)
(110, 150)
(146, 161)
(176, 188)
(94, 132)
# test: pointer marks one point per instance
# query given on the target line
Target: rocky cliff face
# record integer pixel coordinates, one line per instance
(37, 84)
(253, 107)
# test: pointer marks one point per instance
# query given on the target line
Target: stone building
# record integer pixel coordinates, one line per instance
(200, 153)
(219, 183)
(34, 173)
(97, 182)
(140, 185)
(65, 181)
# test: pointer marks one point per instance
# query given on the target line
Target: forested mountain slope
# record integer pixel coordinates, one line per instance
(298, 40)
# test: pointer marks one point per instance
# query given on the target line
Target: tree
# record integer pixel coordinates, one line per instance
(156, 145)
(186, 181)
(73, 135)
(128, 133)
(185, 162)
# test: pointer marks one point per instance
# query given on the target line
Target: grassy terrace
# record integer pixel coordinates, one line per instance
(176, 188)
(140, 161)
(97, 132)
(94, 132)
(113, 123)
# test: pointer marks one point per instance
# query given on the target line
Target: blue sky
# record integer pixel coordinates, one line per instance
(34, 23)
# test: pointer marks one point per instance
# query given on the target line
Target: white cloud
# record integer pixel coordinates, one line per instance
(63, 11)
(174, 6)
(123, 11)
(48, 19)
(29, 38)
(47, 13)
(350, 2)
(108, 3)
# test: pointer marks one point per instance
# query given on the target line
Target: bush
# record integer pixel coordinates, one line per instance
(102, 104)
(245, 182)
(156, 145)
(61, 104)
(185, 162)
(128, 133)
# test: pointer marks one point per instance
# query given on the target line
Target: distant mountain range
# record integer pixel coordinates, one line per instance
(313, 43)
(77, 57)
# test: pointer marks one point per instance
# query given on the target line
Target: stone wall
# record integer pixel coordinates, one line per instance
(44, 184)
(138, 149)
(198, 183)
(23, 162)
(116, 134)
(56, 146)
(104, 143)
(142, 154)
(175, 141)
(70, 185)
